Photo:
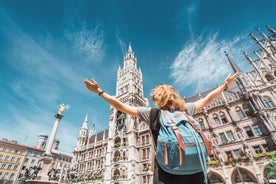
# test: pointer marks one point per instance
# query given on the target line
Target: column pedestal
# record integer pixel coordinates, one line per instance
(46, 166)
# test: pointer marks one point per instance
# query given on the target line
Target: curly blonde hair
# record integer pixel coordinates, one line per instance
(165, 97)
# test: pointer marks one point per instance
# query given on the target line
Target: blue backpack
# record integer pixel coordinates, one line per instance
(181, 145)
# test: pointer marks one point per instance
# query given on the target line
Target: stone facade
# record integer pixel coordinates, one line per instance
(240, 125)
(16, 158)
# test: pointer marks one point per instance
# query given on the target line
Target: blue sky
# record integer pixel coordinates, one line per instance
(48, 47)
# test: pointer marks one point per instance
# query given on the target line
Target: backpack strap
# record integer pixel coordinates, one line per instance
(154, 130)
(175, 130)
(206, 142)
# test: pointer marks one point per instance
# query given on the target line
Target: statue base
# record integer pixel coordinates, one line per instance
(40, 182)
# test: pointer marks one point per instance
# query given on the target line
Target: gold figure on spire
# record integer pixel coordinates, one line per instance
(61, 109)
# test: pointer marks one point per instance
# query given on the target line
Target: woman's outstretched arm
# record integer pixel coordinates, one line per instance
(215, 93)
(94, 87)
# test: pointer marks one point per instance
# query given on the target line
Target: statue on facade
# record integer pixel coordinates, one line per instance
(53, 174)
(35, 171)
(248, 152)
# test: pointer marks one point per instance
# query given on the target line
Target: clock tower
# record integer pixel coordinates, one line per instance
(129, 88)
(124, 149)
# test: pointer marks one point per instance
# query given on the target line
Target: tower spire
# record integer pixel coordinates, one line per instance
(129, 47)
(83, 135)
(236, 69)
(271, 30)
(262, 47)
(265, 37)
(253, 64)
(232, 63)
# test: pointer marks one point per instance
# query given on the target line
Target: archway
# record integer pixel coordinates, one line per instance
(215, 178)
(241, 175)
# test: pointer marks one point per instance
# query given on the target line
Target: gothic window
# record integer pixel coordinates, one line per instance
(117, 142)
(216, 120)
(43, 145)
(145, 153)
(237, 153)
(240, 113)
(245, 81)
(229, 155)
(120, 120)
(257, 149)
(5, 176)
(246, 110)
(3, 166)
(223, 138)
(248, 131)
(214, 178)
(117, 156)
(269, 77)
(257, 130)
(201, 124)
(116, 174)
(223, 117)
(268, 102)
(230, 135)
(124, 141)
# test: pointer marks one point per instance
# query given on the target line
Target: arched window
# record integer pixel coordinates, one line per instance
(246, 109)
(216, 120)
(268, 102)
(116, 174)
(214, 178)
(269, 77)
(120, 120)
(117, 142)
(240, 113)
(201, 124)
(117, 156)
(241, 175)
(223, 117)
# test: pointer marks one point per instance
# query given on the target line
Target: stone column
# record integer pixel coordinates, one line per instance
(46, 162)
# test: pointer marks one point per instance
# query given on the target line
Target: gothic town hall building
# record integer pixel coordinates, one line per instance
(240, 124)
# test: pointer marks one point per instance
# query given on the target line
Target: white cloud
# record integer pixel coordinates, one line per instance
(87, 42)
(202, 63)
(122, 45)
(42, 78)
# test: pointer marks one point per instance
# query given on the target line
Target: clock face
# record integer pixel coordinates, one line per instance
(124, 78)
